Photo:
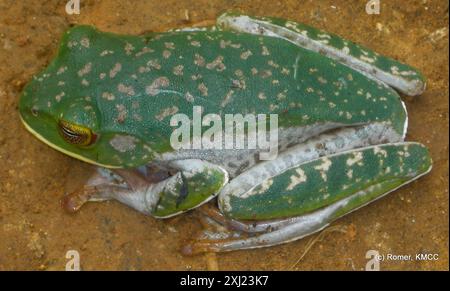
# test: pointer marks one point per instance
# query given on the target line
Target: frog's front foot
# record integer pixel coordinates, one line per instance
(72, 202)
(307, 197)
(156, 191)
(103, 185)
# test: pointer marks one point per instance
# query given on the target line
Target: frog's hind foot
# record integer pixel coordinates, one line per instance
(212, 213)
(250, 235)
(230, 234)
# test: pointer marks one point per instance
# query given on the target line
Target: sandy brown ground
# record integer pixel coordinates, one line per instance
(35, 233)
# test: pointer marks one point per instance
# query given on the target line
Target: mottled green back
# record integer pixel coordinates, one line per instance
(134, 84)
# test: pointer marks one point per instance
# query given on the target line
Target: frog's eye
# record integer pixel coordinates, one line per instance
(76, 134)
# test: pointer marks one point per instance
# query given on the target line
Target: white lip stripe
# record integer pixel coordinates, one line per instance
(84, 159)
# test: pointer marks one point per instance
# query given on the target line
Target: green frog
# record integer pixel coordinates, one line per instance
(115, 101)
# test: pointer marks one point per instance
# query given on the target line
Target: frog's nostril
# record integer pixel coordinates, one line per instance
(34, 111)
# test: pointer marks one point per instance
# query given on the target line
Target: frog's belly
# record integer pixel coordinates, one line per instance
(314, 141)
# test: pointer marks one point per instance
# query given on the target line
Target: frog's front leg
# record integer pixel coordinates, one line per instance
(193, 183)
(316, 192)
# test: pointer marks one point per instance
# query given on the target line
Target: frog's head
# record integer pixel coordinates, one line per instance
(74, 127)
(66, 115)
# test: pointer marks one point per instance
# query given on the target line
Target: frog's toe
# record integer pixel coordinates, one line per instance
(197, 247)
(214, 242)
(72, 202)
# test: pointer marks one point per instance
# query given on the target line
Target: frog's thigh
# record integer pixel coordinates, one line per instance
(389, 71)
(328, 143)
(322, 190)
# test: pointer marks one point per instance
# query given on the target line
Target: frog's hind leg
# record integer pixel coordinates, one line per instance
(404, 78)
(317, 192)
(327, 143)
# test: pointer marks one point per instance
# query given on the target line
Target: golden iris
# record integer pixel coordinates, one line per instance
(76, 134)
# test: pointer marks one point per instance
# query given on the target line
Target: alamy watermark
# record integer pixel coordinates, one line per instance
(73, 263)
(373, 7)
(73, 7)
(236, 131)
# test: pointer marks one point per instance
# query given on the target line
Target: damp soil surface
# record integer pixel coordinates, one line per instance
(35, 233)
